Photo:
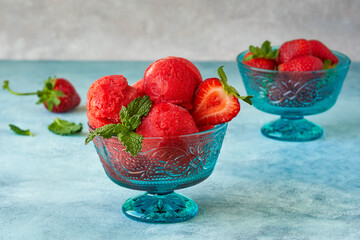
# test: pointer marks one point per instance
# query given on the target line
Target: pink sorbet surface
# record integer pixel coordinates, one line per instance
(172, 80)
(166, 119)
(139, 86)
(106, 97)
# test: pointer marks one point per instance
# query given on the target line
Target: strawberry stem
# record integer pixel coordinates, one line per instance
(6, 86)
(265, 51)
(230, 90)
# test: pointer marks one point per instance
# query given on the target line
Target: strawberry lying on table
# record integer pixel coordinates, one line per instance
(58, 95)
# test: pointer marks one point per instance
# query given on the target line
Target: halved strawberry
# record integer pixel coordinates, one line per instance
(216, 102)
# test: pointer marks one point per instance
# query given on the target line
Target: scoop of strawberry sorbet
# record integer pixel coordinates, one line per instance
(139, 85)
(173, 80)
(167, 119)
(105, 99)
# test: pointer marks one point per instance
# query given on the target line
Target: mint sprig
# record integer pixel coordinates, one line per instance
(63, 127)
(230, 90)
(125, 131)
(20, 131)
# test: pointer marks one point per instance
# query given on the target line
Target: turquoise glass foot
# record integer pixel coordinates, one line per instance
(297, 130)
(160, 208)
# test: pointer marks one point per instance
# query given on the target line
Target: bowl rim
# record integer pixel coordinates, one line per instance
(217, 128)
(339, 67)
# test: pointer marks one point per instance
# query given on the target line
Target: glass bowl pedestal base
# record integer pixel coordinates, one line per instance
(292, 129)
(160, 207)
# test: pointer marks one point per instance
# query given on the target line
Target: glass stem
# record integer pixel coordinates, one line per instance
(292, 117)
(158, 193)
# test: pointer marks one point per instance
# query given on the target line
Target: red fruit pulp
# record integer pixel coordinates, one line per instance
(212, 105)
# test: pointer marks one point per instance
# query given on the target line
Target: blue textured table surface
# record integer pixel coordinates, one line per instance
(54, 187)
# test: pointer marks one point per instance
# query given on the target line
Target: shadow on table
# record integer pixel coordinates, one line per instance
(346, 129)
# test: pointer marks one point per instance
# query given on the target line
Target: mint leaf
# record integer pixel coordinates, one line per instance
(125, 131)
(132, 141)
(106, 131)
(20, 131)
(63, 127)
(135, 110)
(230, 90)
(140, 106)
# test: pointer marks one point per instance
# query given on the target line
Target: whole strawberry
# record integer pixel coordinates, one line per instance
(216, 102)
(263, 57)
(294, 49)
(319, 50)
(58, 95)
(302, 64)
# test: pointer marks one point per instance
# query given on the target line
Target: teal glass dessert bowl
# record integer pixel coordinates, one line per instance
(293, 95)
(163, 165)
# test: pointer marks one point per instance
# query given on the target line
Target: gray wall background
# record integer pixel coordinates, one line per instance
(147, 30)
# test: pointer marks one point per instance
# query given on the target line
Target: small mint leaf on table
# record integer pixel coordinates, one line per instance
(126, 130)
(63, 127)
(20, 131)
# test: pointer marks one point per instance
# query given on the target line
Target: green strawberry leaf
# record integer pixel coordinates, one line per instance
(265, 47)
(63, 127)
(49, 95)
(264, 52)
(249, 57)
(222, 75)
(246, 99)
(230, 90)
(252, 49)
(125, 131)
(20, 131)
(328, 64)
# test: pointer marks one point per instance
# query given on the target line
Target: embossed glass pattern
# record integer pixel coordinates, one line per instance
(292, 95)
(163, 165)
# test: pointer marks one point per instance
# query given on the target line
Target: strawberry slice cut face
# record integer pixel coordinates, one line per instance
(212, 105)
(216, 102)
